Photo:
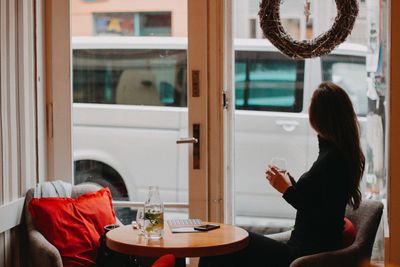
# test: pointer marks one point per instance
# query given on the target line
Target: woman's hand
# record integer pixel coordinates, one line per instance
(276, 179)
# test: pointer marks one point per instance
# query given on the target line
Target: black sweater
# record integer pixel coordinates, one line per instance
(320, 197)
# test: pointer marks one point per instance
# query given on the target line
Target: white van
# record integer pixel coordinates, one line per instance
(130, 107)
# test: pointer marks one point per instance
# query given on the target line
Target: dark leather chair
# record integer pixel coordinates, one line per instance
(366, 220)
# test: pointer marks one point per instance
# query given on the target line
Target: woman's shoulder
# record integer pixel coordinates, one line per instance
(336, 155)
(330, 160)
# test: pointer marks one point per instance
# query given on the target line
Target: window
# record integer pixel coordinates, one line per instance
(133, 23)
(155, 23)
(349, 73)
(113, 24)
(265, 81)
(268, 81)
(130, 76)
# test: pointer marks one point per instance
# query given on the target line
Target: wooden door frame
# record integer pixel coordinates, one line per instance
(210, 51)
(58, 97)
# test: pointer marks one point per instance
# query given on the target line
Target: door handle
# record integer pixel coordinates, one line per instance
(187, 140)
(287, 125)
(195, 140)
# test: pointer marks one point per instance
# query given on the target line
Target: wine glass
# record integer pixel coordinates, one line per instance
(280, 164)
(140, 220)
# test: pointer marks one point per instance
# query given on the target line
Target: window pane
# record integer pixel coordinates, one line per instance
(131, 77)
(268, 81)
(113, 24)
(240, 82)
(129, 93)
(155, 24)
(348, 72)
(133, 23)
(272, 84)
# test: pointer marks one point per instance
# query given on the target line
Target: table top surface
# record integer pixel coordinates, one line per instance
(224, 240)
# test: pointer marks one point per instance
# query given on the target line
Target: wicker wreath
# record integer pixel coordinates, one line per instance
(347, 11)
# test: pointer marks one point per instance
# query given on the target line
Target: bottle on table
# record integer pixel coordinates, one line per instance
(153, 214)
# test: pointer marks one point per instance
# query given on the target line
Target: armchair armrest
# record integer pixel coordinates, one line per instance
(42, 252)
(281, 237)
(346, 257)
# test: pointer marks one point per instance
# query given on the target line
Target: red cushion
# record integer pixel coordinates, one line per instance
(349, 233)
(167, 260)
(74, 226)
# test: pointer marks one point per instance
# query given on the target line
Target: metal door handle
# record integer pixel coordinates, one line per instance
(195, 140)
(187, 140)
(287, 125)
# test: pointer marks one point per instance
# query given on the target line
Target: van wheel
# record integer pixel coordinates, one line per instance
(98, 179)
(97, 172)
(125, 215)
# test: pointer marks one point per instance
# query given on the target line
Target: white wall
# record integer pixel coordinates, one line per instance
(18, 122)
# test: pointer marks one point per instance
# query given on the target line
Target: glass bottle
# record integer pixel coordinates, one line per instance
(153, 214)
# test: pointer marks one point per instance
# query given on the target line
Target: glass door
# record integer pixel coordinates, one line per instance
(270, 118)
(272, 95)
(130, 101)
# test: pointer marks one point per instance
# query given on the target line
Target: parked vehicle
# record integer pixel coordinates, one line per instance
(130, 107)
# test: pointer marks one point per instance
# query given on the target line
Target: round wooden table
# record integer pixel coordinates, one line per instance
(224, 240)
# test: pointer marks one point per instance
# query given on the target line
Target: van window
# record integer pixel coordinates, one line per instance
(268, 81)
(130, 76)
(349, 72)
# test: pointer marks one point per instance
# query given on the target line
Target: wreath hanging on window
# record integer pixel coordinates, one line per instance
(270, 22)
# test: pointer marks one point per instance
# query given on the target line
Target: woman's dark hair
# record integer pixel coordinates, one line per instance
(332, 115)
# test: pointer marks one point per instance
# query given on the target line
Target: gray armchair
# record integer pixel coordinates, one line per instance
(366, 219)
(42, 253)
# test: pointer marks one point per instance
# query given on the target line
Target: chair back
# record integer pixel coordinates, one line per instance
(76, 191)
(40, 251)
(366, 220)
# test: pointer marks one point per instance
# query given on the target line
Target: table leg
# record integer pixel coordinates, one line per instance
(180, 262)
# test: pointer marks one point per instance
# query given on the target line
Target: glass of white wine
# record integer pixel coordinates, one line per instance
(280, 164)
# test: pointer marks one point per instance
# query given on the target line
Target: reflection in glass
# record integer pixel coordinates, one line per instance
(268, 81)
(130, 76)
(349, 72)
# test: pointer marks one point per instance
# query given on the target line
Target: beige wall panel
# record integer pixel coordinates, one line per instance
(82, 25)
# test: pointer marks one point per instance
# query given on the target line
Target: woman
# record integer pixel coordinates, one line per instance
(320, 195)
